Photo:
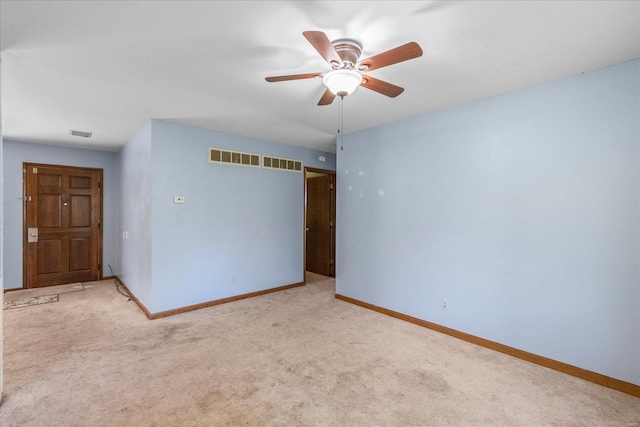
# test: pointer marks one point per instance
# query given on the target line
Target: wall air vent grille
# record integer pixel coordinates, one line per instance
(269, 162)
(217, 155)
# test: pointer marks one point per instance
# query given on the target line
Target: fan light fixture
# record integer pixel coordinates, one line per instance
(343, 55)
(342, 82)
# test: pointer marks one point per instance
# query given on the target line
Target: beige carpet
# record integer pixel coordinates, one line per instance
(28, 297)
(293, 358)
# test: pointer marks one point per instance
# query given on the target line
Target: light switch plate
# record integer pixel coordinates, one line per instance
(178, 199)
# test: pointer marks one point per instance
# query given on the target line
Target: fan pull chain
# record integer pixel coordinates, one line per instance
(341, 120)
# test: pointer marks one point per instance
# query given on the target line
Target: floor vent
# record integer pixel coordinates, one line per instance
(217, 155)
(282, 164)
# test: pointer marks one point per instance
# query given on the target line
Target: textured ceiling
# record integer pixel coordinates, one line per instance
(108, 67)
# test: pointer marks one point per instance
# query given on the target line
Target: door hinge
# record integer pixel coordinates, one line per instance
(330, 186)
(99, 267)
(99, 184)
(99, 226)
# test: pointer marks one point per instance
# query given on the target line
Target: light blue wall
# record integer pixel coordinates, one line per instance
(1, 252)
(15, 154)
(134, 215)
(236, 221)
(522, 210)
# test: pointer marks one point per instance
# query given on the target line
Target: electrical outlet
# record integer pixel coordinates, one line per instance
(444, 304)
(233, 279)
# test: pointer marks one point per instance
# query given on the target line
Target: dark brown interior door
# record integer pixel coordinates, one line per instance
(320, 225)
(63, 214)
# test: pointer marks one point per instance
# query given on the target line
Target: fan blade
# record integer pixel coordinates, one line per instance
(399, 54)
(327, 98)
(322, 44)
(381, 86)
(293, 77)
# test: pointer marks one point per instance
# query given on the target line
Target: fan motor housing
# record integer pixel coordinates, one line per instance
(349, 51)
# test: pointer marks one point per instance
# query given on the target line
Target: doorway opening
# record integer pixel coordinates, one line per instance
(320, 221)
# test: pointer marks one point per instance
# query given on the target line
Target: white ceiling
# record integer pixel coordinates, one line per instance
(108, 67)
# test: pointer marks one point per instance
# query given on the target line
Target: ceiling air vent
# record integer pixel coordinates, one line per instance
(217, 155)
(81, 133)
(282, 164)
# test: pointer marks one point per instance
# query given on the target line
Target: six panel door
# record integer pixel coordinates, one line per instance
(63, 213)
(320, 231)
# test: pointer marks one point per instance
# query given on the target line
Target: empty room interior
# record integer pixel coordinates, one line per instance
(320, 213)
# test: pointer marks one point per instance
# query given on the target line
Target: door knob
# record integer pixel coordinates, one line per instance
(32, 235)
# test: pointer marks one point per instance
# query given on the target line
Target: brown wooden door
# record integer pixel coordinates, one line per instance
(63, 212)
(320, 225)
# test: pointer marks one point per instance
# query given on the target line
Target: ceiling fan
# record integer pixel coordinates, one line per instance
(343, 55)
